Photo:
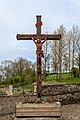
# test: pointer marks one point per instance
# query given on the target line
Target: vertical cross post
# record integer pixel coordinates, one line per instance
(39, 64)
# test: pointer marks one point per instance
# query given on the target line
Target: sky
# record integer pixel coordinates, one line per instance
(19, 16)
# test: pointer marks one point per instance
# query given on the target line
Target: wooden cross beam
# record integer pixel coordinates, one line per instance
(37, 37)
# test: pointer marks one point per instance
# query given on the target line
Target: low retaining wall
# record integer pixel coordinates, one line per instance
(65, 93)
(7, 103)
(60, 89)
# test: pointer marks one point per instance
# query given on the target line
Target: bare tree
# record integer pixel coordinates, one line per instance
(75, 43)
(19, 67)
(62, 45)
(6, 68)
(55, 56)
(68, 49)
(46, 49)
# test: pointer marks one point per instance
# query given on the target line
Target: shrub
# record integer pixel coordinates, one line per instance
(75, 72)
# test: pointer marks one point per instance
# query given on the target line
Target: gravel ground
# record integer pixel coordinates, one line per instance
(69, 112)
(7, 117)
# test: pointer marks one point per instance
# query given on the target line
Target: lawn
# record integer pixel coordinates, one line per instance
(66, 78)
(50, 80)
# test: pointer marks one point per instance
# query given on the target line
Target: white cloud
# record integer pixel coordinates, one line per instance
(20, 17)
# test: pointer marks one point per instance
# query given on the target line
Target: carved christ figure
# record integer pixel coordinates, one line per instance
(39, 44)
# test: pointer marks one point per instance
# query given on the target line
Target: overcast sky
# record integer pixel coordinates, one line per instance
(19, 16)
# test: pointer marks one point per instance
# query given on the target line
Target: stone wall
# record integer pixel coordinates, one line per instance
(7, 103)
(60, 89)
(65, 93)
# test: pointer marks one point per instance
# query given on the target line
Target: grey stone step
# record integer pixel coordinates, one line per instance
(37, 118)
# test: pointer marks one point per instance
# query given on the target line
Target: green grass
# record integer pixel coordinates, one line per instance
(70, 81)
(50, 80)
(66, 78)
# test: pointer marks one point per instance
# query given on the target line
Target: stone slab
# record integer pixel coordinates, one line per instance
(37, 118)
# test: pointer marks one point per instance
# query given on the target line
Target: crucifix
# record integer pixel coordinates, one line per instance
(39, 39)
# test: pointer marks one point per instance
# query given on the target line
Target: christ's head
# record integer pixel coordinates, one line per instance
(38, 41)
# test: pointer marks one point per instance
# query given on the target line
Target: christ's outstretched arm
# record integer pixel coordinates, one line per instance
(33, 39)
(45, 39)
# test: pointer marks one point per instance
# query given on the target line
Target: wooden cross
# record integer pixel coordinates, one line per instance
(38, 37)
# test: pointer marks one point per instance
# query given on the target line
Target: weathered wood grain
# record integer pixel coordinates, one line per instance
(38, 110)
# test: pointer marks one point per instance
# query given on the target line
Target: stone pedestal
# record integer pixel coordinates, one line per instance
(35, 90)
(10, 89)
